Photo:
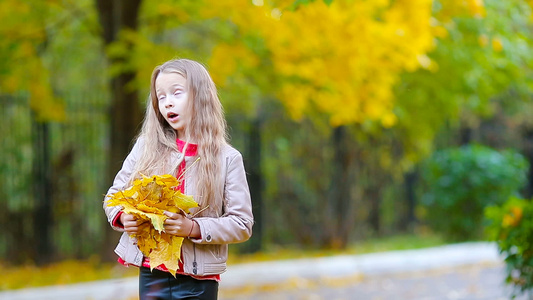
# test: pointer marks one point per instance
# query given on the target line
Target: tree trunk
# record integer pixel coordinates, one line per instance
(408, 218)
(528, 154)
(339, 207)
(465, 135)
(125, 110)
(255, 181)
(374, 217)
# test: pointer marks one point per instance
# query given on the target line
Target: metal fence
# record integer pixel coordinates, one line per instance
(52, 179)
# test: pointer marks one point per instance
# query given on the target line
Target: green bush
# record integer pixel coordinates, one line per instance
(460, 182)
(511, 226)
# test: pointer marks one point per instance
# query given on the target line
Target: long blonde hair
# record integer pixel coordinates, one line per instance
(206, 127)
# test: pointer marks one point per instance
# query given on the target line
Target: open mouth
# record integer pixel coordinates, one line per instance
(172, 116)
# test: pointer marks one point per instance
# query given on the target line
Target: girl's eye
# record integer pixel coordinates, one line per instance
(177, 93)
(161, 98)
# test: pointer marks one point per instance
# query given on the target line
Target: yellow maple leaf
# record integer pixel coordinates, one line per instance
(167, 253)
(147, 199)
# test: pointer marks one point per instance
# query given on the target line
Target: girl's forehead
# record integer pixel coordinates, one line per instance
(167, 79)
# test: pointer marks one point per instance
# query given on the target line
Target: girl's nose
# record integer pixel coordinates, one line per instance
(168, 104)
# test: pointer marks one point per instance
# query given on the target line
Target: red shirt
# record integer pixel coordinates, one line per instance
(192, 150)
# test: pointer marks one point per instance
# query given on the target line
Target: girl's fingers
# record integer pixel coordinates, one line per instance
(171, 215)
(173, 224)
(131, 229)
(171, 221)
(133, 224)
(130, 219)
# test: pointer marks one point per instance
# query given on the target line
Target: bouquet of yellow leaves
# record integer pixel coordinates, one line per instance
(147, 199)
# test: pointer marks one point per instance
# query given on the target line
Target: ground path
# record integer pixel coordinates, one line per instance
(473, 282)
(460, 271)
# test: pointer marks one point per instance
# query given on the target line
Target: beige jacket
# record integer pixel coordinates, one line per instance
(207, 255)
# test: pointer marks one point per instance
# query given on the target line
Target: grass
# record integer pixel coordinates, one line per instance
(76, 271)
(65, 272)
(400, 242)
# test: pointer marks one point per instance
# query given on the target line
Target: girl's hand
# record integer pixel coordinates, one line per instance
(179, 225)
(131, 225)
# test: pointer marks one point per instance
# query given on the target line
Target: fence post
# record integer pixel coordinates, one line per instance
(42, 188)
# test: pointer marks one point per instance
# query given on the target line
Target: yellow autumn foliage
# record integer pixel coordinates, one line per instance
(341, 59)
(238, 53)
(454, 8)
(23, 31)
(497, 44)
(513, 218)
(147, 199)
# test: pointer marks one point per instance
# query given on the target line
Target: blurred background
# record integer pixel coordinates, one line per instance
(358, 120)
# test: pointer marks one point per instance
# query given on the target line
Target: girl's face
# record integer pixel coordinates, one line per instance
(171, 91)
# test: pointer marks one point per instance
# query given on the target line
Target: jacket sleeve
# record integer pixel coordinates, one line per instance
(235, 225)
(120, 182)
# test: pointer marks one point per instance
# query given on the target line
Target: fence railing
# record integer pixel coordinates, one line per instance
(52, 180)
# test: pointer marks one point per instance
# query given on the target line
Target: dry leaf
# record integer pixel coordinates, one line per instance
(147, 199)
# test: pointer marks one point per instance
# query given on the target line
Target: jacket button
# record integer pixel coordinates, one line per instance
(208, 238)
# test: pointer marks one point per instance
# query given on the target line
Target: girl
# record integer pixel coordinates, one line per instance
(184, 121)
